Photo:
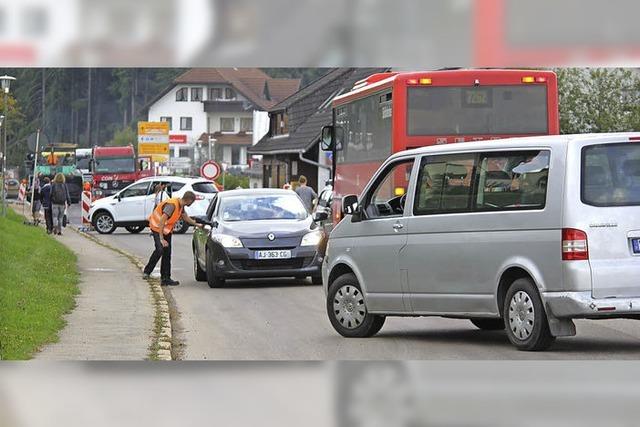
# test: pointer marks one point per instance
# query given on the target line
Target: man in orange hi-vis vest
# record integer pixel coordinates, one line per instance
(162, 220)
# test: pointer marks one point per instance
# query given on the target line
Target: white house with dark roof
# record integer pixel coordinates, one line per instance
(217, 106)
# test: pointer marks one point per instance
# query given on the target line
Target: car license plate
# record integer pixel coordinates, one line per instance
(282, 254)
(635, 244)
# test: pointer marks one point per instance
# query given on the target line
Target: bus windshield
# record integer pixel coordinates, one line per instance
(483, 110)
(114, 165)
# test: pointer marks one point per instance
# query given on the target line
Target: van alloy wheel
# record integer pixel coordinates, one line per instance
(348, 307)
(521, 315)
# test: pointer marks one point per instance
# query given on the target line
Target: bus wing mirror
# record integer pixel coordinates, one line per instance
(331, 136)
(326, 142)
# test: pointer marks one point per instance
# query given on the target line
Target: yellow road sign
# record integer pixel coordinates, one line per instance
(150, 148)
(153, 128)
(159, 158)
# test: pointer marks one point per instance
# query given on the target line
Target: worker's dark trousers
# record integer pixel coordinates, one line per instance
(160, 252)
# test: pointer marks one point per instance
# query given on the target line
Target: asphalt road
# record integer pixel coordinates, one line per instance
(285, 319)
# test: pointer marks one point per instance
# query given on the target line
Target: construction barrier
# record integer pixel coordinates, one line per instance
(86, 205)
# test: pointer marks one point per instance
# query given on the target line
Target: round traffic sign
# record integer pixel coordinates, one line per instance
(210, 170)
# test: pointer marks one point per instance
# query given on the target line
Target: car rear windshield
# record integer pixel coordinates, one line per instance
(611, 175)
(204, 187)
(257, 208)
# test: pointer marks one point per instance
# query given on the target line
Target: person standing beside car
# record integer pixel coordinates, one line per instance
(161, 222)
(60, 199)
(45, 194)
(306, 193)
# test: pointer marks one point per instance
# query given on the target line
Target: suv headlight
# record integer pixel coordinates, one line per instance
(311, 239)
(227, 241)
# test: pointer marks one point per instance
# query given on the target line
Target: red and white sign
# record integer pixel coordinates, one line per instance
(86, 206)
(21, 192)
(210, 170)
(177, 139)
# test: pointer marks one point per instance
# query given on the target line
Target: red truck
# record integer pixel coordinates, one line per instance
(113, 168)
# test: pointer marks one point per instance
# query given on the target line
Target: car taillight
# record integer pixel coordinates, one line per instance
(574, 245)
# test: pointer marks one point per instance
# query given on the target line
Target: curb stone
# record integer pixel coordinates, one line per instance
(160, 348)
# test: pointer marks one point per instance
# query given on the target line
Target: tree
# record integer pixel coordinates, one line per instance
(124, 137)
(598, 100)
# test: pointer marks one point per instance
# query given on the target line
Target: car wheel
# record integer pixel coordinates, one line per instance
(487, 324)
(525, 318)
(104, 223)
(180, 227)
(212, 280)
(316, 280)
(347, 311)
(134, 229)
(200, 274)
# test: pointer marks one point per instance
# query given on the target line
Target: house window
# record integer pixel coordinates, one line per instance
(235, 155)
(246, 124)
(196, 94)
(215, 93)
(185, 123)
(229, 93)
(227, 124)
(279, 124)
(168, 120)
(182, 94)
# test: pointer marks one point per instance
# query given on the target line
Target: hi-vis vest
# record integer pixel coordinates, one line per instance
(156, 215)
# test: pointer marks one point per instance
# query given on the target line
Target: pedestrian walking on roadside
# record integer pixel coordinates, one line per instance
(306, 193)
(160, 194)
(45, 197)
(161, 222)
(60, 199)
(36, 203)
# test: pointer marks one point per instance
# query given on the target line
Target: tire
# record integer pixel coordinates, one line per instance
(103, 223)
(487, 324)
(134, 229)
(316, 280)
(200, 274)
(347, 311)
(212, 280)
(524, 317)
(180, 227)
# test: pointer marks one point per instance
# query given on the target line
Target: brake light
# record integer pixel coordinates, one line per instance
(574, 245)
(634, 139)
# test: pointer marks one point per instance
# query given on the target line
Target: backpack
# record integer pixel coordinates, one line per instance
(58, 194)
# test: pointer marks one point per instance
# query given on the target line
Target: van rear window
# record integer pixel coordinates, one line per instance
(611, 175)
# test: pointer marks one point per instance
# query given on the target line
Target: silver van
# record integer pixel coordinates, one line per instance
(522, 234)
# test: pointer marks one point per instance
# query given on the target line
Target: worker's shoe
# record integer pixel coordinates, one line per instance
(169, 282)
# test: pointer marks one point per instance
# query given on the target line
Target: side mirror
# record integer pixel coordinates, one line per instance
(319, 216)
(331, 137)
(118, 197)
(350, 204)
(326, 139)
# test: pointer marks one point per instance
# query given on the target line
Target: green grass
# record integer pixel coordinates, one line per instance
(38, 282)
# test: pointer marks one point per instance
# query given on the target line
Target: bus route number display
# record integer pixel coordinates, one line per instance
(477, 97)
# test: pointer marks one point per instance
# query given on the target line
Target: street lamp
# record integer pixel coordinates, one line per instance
(5, 82)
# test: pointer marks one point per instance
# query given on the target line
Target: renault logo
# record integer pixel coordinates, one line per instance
(271, 236)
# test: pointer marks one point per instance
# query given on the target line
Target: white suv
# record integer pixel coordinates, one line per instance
(131, 207)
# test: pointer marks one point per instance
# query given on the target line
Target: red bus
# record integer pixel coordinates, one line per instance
(391, 112)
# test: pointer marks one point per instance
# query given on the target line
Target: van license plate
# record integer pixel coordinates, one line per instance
(273, 254)
(635, 244)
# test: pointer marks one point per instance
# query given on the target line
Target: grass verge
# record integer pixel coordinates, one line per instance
(38, 282)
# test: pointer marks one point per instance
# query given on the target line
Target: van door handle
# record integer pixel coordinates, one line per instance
(397, 226)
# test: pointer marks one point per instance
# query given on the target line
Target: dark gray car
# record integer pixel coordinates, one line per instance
(257, 233)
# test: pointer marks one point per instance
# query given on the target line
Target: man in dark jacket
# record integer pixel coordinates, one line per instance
(45, 194)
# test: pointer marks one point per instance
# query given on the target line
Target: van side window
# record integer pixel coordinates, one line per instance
(444, 184)
(388, 195)
(512, 180)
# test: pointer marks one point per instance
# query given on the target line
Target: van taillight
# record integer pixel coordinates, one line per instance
(574, 245)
